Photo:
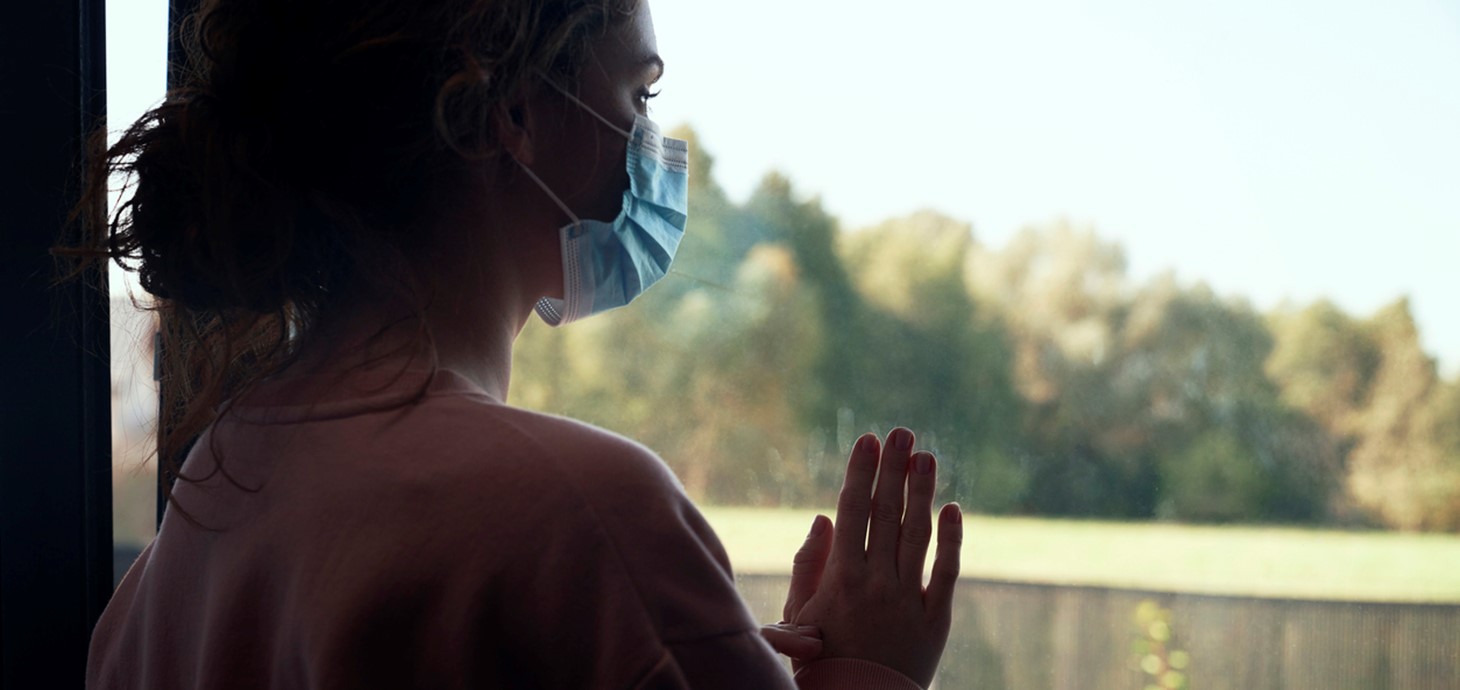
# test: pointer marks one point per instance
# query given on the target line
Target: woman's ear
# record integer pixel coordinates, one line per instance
(514, 124)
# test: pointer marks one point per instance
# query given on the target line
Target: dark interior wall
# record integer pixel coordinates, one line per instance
(55, 444)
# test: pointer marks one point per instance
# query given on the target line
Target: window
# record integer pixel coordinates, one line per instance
(1166, 288)
(1169, 290)
(136, 76)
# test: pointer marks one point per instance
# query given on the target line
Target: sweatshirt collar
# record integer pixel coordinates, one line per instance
(316, 397)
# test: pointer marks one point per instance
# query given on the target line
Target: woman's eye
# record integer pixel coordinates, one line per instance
(646, 95)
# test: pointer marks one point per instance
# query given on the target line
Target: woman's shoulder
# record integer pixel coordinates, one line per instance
(573, 456)
(547, 436)
(629, 507)
(558, 498)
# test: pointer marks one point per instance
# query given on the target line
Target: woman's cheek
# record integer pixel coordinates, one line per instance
(614, 182)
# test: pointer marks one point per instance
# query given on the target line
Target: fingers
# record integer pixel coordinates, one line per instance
(917, 524)
(855, 502)
(795, 641)
(887, 503)
(807, 567)
(939, 599)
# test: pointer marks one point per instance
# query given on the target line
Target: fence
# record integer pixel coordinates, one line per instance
(1015, 636)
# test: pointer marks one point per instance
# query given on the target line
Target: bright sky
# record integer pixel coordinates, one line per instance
(1276, 150)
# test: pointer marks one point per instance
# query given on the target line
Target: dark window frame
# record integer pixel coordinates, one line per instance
(55, 426)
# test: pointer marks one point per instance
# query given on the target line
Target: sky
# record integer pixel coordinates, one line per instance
(1278, 151)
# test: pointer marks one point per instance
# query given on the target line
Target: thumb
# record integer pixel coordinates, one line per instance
(795, 641)
(808, 565)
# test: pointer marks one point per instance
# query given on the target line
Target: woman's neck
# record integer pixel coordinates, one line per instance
(470, 333)
(484, 272)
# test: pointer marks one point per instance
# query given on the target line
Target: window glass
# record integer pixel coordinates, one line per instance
(136, 42)
(1168, 290)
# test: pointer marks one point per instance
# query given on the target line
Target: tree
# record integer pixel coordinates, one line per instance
(934, 362)
(739, 440)
(1372, 387)
(1045, 381)
(718, 236)
(810, 234)
(1325, 362)
(1061, 294)
(1396, 460)
(1441, 491)
(1215, 478)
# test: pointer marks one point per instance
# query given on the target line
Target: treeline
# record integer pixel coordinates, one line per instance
(1045, 380)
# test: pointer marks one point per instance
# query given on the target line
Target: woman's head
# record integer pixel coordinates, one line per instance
(312, 148)
(305, 132)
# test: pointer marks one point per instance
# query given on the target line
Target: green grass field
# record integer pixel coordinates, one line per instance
(1247, 561)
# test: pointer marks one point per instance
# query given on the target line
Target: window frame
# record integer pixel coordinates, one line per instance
(55, 438)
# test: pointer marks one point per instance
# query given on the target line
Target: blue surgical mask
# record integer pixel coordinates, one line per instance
(607, 264)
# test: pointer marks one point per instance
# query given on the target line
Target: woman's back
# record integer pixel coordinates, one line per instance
(456, 542)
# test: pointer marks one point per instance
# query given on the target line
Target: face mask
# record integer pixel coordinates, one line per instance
(607, 265)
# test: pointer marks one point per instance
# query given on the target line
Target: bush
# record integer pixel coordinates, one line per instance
(1215, 479)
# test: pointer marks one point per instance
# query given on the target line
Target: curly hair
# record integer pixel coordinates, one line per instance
(291, 165)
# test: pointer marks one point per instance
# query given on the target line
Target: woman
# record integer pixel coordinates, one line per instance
(348, 211)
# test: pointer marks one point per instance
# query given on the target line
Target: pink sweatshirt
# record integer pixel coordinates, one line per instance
(454, 543)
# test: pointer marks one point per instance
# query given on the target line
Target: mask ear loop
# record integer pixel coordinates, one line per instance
(594, 113)
(546, 190)
(581, 104)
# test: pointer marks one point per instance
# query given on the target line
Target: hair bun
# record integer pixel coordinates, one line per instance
(214, 226)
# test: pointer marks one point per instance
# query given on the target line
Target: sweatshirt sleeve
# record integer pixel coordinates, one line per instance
(734, 662)
(683, 577)
(852, 673)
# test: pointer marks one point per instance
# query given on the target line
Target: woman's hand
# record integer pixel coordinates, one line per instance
(868, 600)
(795, 641)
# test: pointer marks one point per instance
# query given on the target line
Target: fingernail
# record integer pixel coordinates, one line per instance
(867, 444)
(817, 526)
(904, 439)
(923, 463)
(808, 630)
(957, 513)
